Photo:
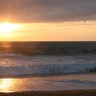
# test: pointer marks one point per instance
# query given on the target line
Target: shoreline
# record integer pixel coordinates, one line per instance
(53, 93)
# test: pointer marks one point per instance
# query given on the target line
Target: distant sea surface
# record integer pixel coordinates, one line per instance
(47, 48)
(47, 66)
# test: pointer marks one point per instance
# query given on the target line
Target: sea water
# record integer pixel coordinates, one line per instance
(47, 66)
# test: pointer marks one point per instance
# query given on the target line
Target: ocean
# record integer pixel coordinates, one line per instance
(47, 66)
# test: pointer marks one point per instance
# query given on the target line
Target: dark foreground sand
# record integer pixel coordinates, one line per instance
(54, 93)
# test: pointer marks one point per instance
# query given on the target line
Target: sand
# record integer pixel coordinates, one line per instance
(53, 93)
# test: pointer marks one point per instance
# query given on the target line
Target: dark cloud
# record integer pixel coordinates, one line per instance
(47, 10)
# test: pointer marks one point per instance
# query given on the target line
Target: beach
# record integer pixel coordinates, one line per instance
(49, 69)
(47, 48)
(53, 93)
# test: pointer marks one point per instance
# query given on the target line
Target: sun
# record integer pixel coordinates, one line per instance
(6, 28)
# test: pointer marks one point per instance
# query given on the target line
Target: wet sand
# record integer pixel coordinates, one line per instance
(53, 93)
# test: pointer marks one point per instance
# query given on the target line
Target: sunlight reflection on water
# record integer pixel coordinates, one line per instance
(5, 46)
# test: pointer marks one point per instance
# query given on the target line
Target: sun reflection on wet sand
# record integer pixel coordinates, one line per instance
(6, 84)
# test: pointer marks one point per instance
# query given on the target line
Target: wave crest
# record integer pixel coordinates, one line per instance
(46, 69)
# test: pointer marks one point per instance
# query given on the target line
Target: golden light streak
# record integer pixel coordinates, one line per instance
(64, 31)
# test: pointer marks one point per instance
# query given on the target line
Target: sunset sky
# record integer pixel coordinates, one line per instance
(48, 20)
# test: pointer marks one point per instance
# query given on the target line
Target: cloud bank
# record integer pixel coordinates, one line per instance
(28, 11)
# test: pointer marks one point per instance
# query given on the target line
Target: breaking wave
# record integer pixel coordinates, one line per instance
(46, 69)
(20, 65)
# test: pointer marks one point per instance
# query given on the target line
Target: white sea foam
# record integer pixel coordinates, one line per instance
(15, 64)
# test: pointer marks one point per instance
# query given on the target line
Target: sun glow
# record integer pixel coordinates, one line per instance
(7, 28)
